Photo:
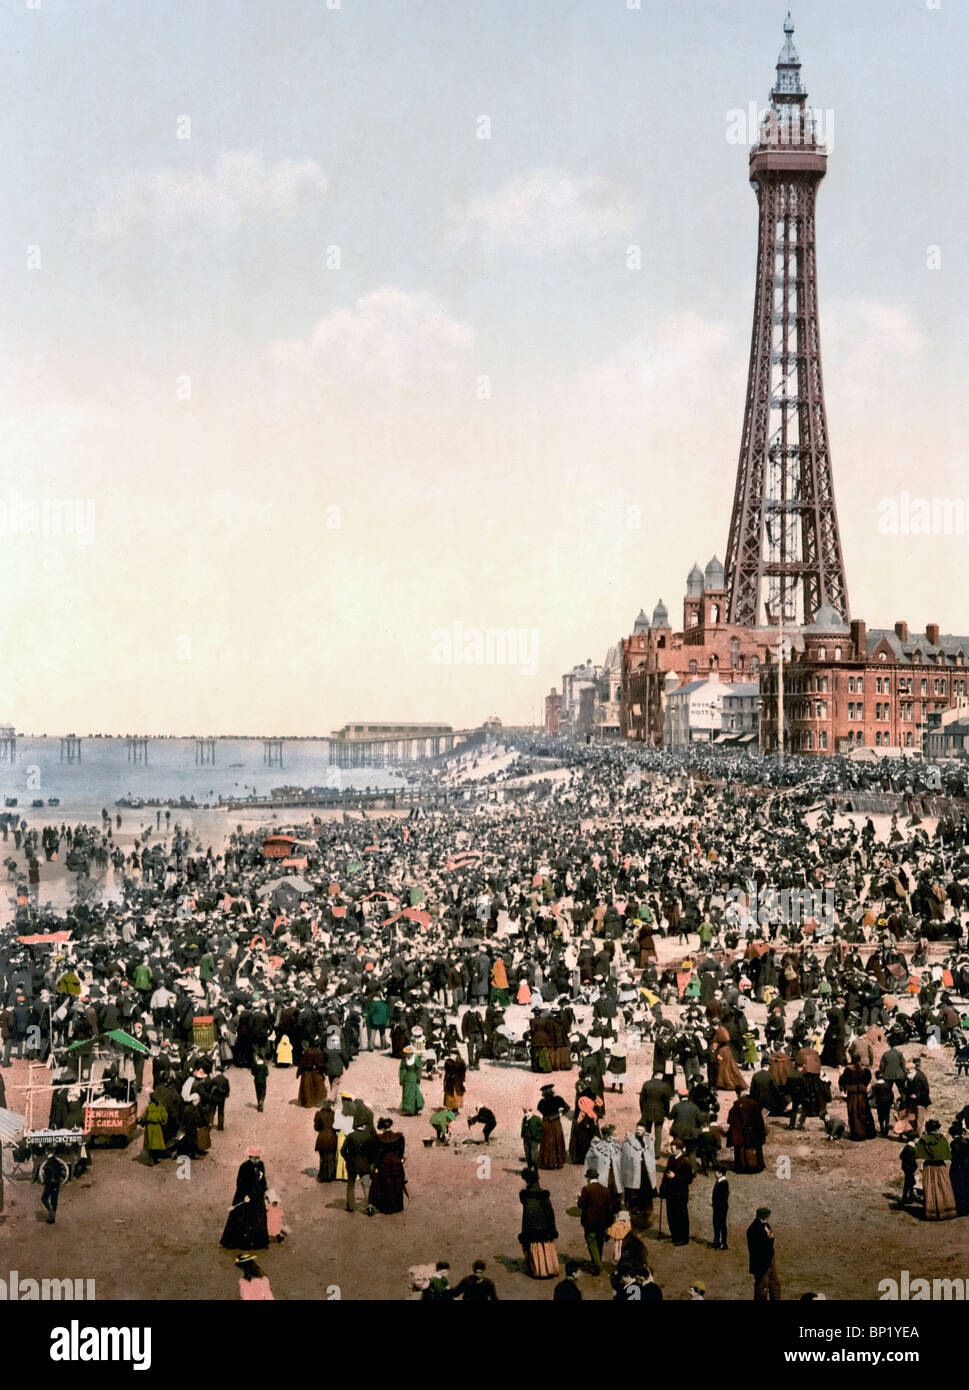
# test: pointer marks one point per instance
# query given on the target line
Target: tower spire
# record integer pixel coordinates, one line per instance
(788, 80)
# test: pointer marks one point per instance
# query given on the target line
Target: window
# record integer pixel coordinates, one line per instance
(851, 686)
(878, 738)
(837, 653)
(923, 686)
(861, 684)
(878, 685)
(822, 653)
(861, 711)
(693, 667)
(824, 738)
(851, 709)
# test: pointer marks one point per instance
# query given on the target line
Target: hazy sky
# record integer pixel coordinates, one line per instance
(334, 373)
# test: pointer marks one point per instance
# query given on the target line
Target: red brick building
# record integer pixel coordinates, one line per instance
(847, 687)
(553, 712)
(656, 659)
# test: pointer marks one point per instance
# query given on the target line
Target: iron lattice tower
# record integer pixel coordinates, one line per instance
(784, 556)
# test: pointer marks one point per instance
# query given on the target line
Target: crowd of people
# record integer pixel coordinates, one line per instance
(710, 915)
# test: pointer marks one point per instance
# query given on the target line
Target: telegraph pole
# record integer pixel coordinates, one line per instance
(780, 694)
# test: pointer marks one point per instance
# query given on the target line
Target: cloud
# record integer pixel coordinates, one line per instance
(861, 331)
(241, 185)
(547, 211)
(675, 363)
(389, 338)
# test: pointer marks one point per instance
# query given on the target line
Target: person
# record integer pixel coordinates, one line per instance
(746, 1132)
(219, 1089)
(357, 1149)
(274, 1218)
(438, 1289)
(538, 1232)
(729, 1075)
(568, 1290)
(260, 1077)
(54, 1172)
(698, 1291)
(485, 1117)
(720, 1202)
(313, 1073)
(153, 1119)
(959, 1167)
(939, 1201)
(551, 1107)
(254, 1286)
(408, 1074)
(760, 1249)
(854, 1082)
(455, 1072)
(326, 1142)
(245, 1227)
(597, 1206)
(618, 1232)
(388, 1182)
(881, 1093)
(675, 1191)
(441, 1122)
(531, 1133)
(654, 1107)
(910, 1166)
(475, 1288)
(378, 1017)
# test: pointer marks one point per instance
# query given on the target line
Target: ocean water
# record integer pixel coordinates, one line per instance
(106, 772)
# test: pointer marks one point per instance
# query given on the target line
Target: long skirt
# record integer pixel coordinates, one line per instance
(940, 1202)
(561, 1058)
(580, 1138)
(542, 1259)
(542, 1059)
(729, 1075)
(341, 1166)
(312, 1089)
(551, 1152)
(860, 1121)
(327, 1171)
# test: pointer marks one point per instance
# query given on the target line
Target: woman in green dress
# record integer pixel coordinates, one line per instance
(154, 1117)
(933, 1149)
(409, 1076)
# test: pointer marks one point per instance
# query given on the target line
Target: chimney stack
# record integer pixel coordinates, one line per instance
(859, 638)
(901, 631)
(932, 633)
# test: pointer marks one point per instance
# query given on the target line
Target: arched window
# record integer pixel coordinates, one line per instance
(837, 653)
(822, 653)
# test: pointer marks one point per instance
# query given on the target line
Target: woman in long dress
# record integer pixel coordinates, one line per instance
(854, 1081)
(311, 1073)
(933, 1149)
(729, 1075)
(246, 1227)
(551, 1152)
(538, 1233)
(409, 1076)
(388, 1181)
(455, 1073)
(326, 1142)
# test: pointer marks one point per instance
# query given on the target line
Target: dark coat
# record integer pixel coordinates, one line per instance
(760, 1247)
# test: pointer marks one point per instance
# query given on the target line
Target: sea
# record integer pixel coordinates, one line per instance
(107, 772)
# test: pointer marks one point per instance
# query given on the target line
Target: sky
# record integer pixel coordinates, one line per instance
(332, 334)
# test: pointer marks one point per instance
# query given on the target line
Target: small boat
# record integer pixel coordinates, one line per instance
(37, 804)
(10, 801)
(53, 801)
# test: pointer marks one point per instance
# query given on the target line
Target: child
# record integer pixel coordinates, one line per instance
(720, 1201)
(274, 1218)
(910, 1165)
(618, 1232)
(441, 1122)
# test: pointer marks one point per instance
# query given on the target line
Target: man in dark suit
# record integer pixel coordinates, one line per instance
(597, 1207)
(654, 1107)
(685, 1126)
(760, 1248)
(891, 1068)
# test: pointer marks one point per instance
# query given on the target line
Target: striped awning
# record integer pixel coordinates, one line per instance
(11, 1127)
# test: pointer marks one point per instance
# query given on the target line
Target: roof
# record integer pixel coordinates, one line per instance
(744, 689)
(827, 619)
(948, 646)
(117, 1035)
